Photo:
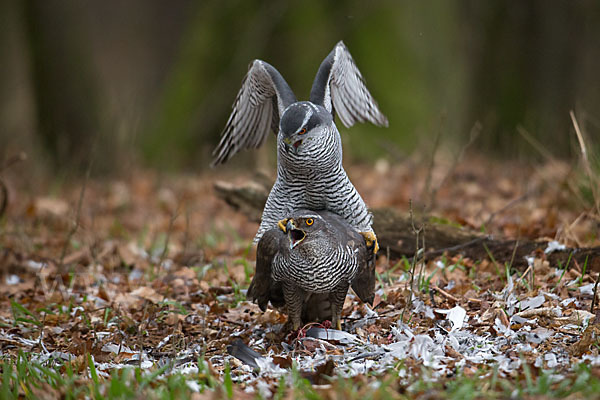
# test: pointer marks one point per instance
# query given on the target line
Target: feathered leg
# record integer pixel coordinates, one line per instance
(337, 298)
(294, 298)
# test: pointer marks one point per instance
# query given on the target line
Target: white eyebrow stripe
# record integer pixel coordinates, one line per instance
(309, 114)
(313, 216)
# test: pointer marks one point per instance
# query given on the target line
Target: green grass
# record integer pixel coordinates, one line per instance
(23, 315)
(23, 378)
(563, 269)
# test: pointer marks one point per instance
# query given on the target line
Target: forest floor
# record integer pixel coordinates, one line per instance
(136, 286)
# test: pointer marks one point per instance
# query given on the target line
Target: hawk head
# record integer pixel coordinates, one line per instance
(303, 122)
(300, 228)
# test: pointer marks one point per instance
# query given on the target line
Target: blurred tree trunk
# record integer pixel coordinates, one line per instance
(63, 81)
(526, 62)
(220, 41)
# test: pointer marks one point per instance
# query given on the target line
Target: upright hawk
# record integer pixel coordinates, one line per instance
(307, 268)
(309, 149)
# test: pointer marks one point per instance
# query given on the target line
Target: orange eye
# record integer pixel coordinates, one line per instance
(302, 131)
(309, 221)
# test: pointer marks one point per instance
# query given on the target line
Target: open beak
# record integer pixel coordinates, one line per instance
(293, 146)
(295, 236)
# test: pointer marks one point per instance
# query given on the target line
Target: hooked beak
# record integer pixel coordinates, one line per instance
(293, 146)
(295, 236)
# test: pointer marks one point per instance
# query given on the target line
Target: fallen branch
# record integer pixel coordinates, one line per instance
(396, 236)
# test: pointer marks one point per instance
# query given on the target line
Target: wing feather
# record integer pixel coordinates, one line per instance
(340, 88)
(363, 283)
(263, 289)
(258, 106)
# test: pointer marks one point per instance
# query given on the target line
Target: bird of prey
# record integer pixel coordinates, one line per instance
(307, 269)
(309, 149)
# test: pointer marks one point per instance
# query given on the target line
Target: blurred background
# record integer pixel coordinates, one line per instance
(151, 83)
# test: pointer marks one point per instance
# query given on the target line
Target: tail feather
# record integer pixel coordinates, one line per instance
(244, 353)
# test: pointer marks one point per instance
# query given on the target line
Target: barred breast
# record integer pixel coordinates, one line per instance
(314, 179)
(317, 270)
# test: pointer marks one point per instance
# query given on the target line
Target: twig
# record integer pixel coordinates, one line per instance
(473, 300)
(427, 190)
(233, 322)
(75, 226)
(445, 294)
(22, 156)
(568, 231)
(579, 137)
(529, 267)
(586, 162)
(423, 254)
(535, 143)
(163, 255)
(413, 266)
(392, 149)
(119, 331)
(525, 273)
(551, 159)
(186, 233)
(387, 254)
(508, 205)
(414, 260)
(474, 134)
(141, 333)
(40, 342)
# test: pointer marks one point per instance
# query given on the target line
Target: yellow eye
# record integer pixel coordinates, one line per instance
(302, 131)
(309, 221)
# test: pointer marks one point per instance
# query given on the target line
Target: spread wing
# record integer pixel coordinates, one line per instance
(257, 108)
(340, 87)
(263, 288)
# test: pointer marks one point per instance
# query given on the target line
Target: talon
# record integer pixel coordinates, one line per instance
(282, 223)
(371, 240)
(338, 325)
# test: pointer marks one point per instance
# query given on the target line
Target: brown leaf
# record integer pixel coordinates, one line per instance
(128, 256)
(322, 372)
(147, 293)
(80, 256)
(102, 293)
(502, 316)
(589, 337)
(283, 362)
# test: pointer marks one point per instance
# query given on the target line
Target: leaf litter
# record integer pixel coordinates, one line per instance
(156, 274)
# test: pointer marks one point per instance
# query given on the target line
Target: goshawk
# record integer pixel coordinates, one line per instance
(306, 271)
(309, 164)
